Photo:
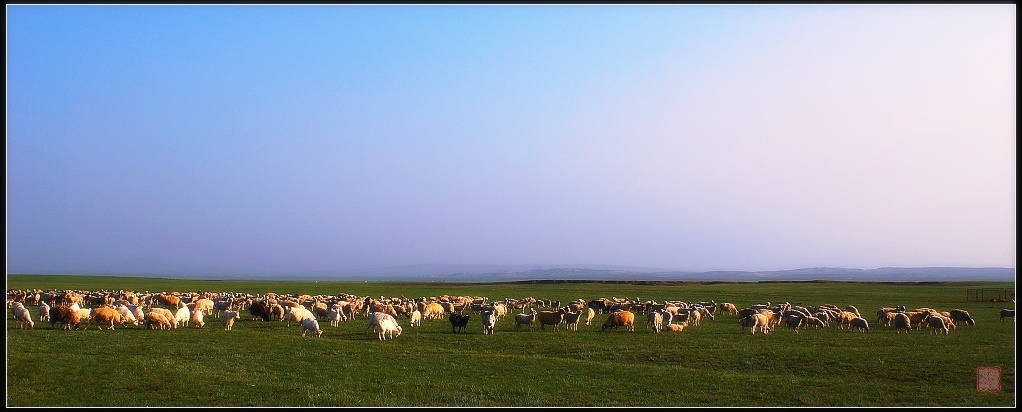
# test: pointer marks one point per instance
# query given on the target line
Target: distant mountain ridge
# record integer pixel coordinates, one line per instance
(511, 273)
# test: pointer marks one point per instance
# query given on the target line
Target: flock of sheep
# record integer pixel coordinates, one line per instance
(164, 311)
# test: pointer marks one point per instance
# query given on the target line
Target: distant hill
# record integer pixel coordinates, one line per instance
(498, 273)
(517, 273)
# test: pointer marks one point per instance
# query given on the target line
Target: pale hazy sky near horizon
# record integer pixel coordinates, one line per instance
(297, 139)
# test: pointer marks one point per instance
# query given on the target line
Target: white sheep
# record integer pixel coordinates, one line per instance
(197, 316)
(22, 315)
(389, 327)
(311, 324)
(44, 311)
(415, 319)
(182, 316)
(126, 315)
(228, 317)
(335, 316)
(297, 314)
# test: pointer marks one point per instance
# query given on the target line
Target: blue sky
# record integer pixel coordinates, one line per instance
(297, 139)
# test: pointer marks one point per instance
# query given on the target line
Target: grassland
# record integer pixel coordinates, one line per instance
(714, 364)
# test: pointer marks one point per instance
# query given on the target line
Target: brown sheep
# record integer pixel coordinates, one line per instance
(155, 319)
(65, 315)
(166, 313)
(104, 315)
(902, 322)
(552, 318)
(620, 318)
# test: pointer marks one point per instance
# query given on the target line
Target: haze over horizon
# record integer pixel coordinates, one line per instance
(315, 138)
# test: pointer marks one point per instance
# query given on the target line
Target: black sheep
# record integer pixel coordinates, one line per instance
(458, 321)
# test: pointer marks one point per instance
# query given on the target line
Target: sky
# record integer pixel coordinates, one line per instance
(297, 139)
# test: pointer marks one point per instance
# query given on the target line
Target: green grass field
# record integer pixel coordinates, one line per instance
(714, 364)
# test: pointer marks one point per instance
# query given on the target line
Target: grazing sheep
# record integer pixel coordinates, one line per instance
(104, 315)
(376, 318)
(182, 316)
(962, 316)
(937, 323)
(859, 324)
(902, 322)
(260, 310)
(22, 316)
(84, 316)
(155, 319)
(197, 316)
(228, 317)
(729, 307)
(65, 315)
(297, 314)
(795, 322)
(277, 312)
(389, 327)
(620, 318)
(166, 313)
(415, 319)
(816, 322)
(126, 315)
(311, 324)
(203, 304)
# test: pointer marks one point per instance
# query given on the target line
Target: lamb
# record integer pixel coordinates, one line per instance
(674, 327)
(311, 324)
(228, 318)
(415, 319)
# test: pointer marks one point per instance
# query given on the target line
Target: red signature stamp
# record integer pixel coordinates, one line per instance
(988, 379)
